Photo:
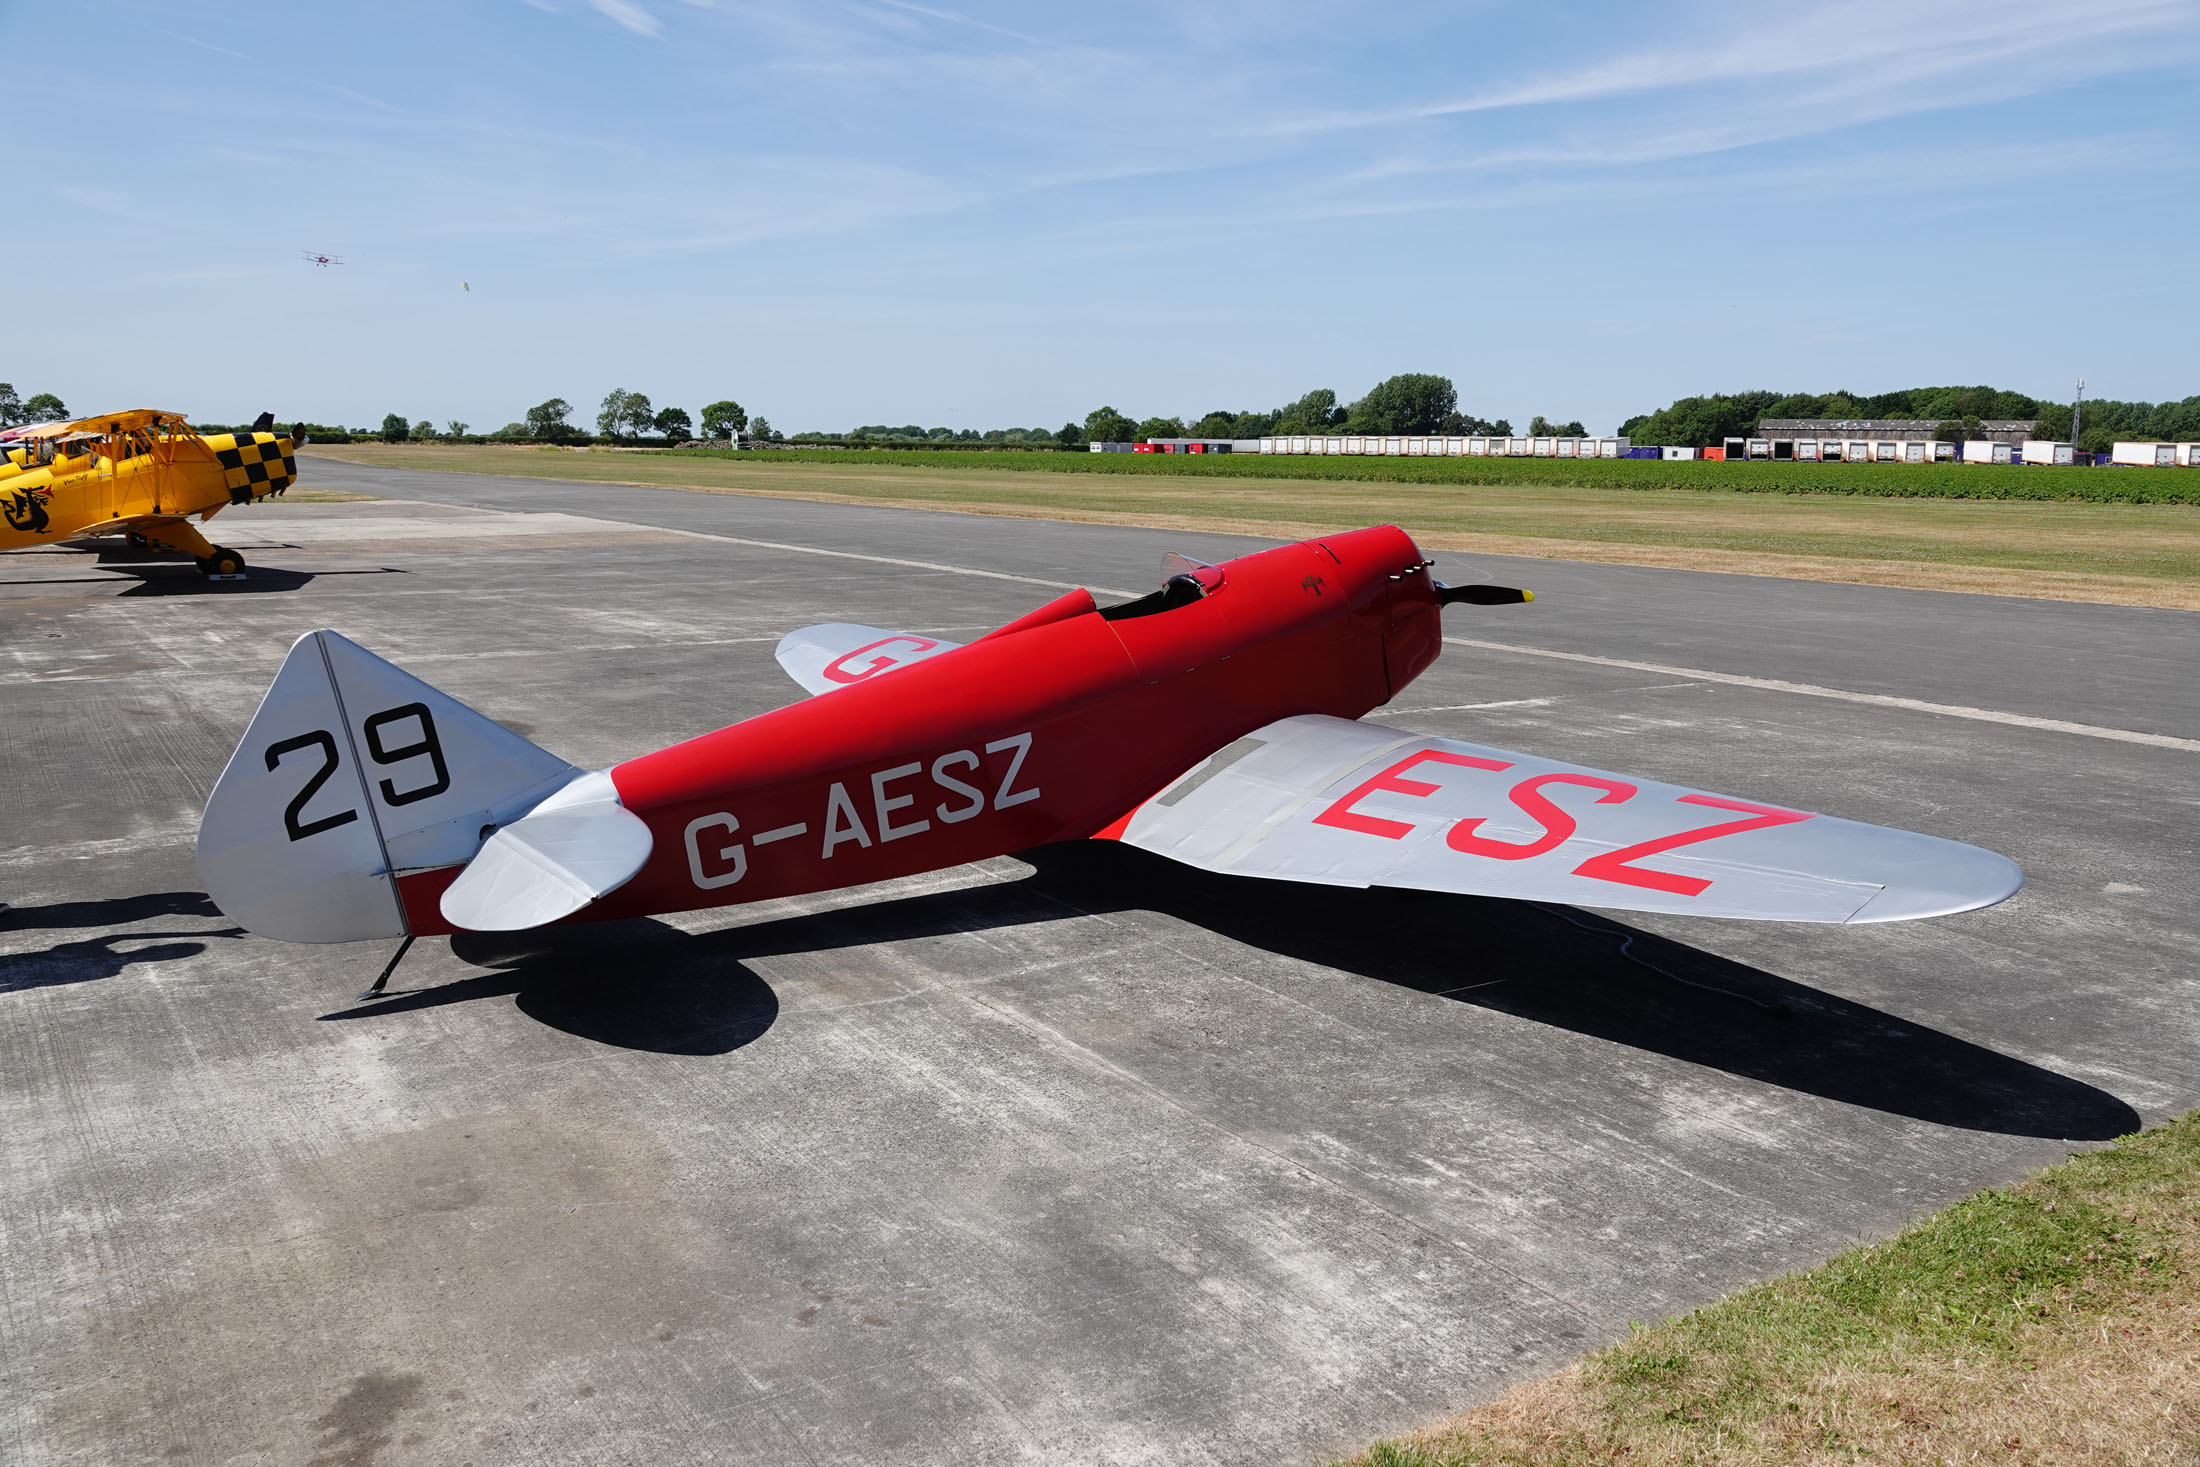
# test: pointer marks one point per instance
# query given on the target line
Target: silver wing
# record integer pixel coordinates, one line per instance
(831, 656)
(1351, 804)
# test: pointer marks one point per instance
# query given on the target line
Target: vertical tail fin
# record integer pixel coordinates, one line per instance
(352, 772)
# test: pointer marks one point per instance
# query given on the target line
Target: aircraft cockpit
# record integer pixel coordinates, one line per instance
(1187, 581)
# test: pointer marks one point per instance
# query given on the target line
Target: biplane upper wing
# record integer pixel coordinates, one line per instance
(1331, 801)
(831, 656)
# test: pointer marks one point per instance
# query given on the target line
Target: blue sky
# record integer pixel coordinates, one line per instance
(990, 215)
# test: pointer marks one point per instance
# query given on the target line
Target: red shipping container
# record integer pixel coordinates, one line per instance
(1715, 453)
(1198, 447)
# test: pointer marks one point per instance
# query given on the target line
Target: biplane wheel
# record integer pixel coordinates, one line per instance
(136, 540)
(223, 562)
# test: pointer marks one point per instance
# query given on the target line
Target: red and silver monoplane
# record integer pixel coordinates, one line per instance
(1213, 721)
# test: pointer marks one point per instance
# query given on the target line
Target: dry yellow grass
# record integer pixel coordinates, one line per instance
(303, 495)
(2138, 555)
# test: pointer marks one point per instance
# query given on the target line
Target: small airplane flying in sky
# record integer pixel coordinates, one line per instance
(322, 260)
(142, 474)
(1213, 721)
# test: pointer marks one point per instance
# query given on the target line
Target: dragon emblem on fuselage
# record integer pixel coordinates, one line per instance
(25, 509)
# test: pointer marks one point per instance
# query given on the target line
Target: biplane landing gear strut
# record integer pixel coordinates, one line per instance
(216, 562)
(221, 564)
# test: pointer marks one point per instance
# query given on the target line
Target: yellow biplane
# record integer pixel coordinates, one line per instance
(140, 474)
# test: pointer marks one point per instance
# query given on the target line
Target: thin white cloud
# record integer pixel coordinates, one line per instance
(1894, 42)
(203, 45)
(630, 15)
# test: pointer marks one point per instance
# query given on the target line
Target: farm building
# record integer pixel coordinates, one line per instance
(1899, 430)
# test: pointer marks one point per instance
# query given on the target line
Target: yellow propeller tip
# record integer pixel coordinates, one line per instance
(1527, 595)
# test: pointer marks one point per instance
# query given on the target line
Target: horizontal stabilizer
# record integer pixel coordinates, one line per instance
(574, 847)
(826, 658)
(1351, 804)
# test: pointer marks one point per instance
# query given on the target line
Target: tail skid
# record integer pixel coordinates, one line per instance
(352, 773)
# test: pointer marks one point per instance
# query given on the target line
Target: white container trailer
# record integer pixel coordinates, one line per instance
(1680, 453)
(1806, 449)
(1478, 448)
(2188, 455)
(1569, 448)
(2144, 455)
(1914, 453)
(1546, 448)
(2040, 451)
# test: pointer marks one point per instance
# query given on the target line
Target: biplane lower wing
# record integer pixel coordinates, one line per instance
(1336, 802)
(127, 523)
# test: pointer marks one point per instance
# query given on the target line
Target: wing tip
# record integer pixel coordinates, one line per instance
(1986, 879)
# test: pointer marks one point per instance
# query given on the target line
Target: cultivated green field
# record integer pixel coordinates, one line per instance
(1888, 481)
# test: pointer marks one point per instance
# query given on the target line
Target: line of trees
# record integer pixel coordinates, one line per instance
(1412, 402)
(914, 433)
(39, 407)
(624, 417)
(1705, 422)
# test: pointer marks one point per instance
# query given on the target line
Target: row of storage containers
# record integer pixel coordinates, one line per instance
(1860, 451)
(1799, 450)
(1469, 447)
(1930, 451)
(2156, 455)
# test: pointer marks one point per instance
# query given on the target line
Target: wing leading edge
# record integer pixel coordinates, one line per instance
(1330, 801)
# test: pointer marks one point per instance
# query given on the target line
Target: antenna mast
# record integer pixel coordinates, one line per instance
(2074, 407)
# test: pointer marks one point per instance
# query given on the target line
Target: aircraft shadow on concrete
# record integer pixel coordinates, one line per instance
(645, 985)
(185, 580)
(111, 912)
(636, 984)
(138, 573)
(89, 959)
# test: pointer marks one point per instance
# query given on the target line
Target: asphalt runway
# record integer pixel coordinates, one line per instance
(1072, 1157)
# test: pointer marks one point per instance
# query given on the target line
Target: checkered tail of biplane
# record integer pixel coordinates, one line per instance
(253, 464)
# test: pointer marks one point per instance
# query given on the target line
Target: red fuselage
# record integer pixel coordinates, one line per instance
(1049, 729)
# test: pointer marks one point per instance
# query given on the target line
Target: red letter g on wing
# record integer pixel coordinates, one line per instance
(839, 670)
